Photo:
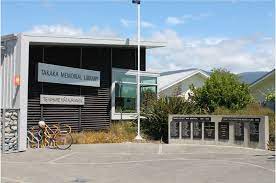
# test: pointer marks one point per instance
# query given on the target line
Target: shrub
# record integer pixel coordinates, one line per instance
(155, 124)
(270, 97)
(222, 89)
(119, 132)
(147, 97)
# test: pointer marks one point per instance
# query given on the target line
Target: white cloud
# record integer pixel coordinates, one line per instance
(129, 23)
(102, 32)
(254, 53)
(60, 29)
(125, 22)
(57, 29)
(147, 24)
(173, 20)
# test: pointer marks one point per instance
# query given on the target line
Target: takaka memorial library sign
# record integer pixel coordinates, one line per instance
(67, 75)
(246, 131)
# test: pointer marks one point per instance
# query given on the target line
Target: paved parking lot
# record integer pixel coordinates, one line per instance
(133, 163)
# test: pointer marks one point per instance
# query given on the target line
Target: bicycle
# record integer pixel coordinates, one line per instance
(60, 137)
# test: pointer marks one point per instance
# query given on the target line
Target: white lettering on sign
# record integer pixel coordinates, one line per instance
(67, 75)
(61, 100)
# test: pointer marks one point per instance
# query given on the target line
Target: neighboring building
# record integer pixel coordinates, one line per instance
(178, 82)
(82, 81)
(250, 77)
(262, 86)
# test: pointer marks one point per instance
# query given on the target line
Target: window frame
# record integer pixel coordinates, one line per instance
(115, 115)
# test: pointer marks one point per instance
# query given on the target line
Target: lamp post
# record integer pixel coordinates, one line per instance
(138, 137)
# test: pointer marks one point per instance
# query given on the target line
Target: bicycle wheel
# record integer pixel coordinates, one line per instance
(63, 140)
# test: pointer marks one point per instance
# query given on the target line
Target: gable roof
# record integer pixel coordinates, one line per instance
(249, 77)
(263, 78)
(170, 78)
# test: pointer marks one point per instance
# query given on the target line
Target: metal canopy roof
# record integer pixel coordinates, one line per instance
(81, 40)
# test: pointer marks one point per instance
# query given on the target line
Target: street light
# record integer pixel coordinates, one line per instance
(138, 137)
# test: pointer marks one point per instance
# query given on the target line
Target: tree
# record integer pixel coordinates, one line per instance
(222, 89)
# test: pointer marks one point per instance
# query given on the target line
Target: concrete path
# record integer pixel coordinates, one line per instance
(133, 163)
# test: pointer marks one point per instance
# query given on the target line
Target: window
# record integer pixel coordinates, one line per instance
(148, 80)
(125, 98)
(125, 90)
(122, 77)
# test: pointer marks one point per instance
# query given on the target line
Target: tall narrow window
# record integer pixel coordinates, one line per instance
(125, 98)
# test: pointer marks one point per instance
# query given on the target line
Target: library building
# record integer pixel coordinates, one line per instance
(82, 81)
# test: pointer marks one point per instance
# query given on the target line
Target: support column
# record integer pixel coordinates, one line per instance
(246, 134)
(192, 124)
(180, 130)
(264, 133)
(231, 132)
(216, 132)
(202, 128)
(23, 56)
(169, 128)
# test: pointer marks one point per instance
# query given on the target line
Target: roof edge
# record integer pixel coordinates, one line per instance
(180, 80)
(261, 78)
(85, 39)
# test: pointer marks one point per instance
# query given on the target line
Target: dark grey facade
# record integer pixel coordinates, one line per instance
(96, 113)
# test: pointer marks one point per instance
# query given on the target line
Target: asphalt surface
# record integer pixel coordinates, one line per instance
(133, 163)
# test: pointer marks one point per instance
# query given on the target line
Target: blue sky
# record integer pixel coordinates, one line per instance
(237, 35)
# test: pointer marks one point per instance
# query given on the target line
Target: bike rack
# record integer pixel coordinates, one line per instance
(29, 140)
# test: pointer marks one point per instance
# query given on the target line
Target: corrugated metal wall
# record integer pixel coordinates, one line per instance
(8, 71)
(95, 114)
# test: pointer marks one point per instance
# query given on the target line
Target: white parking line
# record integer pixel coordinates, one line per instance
(13, 180)
(61, 157)
(251, 164)
(176, 159)
(160, 149)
